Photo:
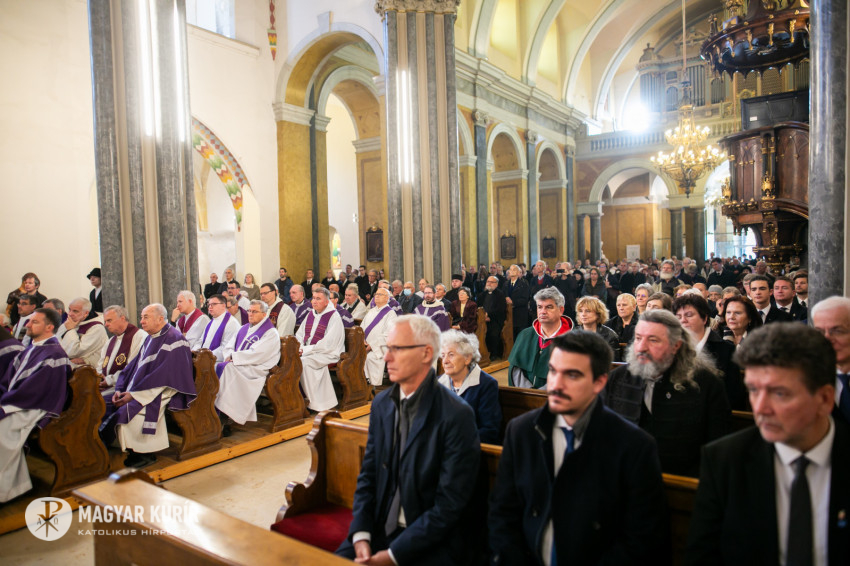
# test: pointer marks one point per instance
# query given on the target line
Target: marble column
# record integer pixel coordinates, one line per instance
(827, 149)
(423, 191)
(143, 153)
(481, 216)
(676, 232)
(699, 236)
(571, 207)
(533, 198)
(595, 237)
(580, 244)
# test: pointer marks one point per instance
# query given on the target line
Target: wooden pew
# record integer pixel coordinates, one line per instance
(742, 420)
(328, 492)
(215, 539)
(199, 424)
(356, 389)
(71, 441)
(283, 390)
(508, 333)
(481, 333)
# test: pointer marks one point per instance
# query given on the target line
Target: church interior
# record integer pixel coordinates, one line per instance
(187, 137)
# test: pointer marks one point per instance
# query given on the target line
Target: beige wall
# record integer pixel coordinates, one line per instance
(627, 225)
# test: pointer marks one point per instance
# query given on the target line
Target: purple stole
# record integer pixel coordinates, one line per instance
(184, 323)
(320, 330)
(216, 341)
(347, 319)
(300, 312)
(376, 320)
(86, 326)
(243, 343)
(243, 314)
(394, 304)
(274, 312)
(439, 316)
(123, 355)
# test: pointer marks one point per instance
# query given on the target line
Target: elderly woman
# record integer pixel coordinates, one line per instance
(592, 314)
(464, 312)
(741, 316)
(480, 390)
(251, 288)
(660, 301)
(626, 320)
(642, 294)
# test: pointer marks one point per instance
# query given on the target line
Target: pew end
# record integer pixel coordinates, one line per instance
(481, 334)
(356, 389)
(199, 424)
(283, 389)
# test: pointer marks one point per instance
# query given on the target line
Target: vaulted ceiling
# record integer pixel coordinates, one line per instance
(581, 52)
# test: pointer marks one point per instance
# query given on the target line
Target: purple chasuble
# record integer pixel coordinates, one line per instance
(347, 319)
(9, 350)
(243, 343)
(311, 337)
(300, 312)
(37, 379)
(165, 360)
(243, 315)
(437, 313)
(216, 340)
(376, 320)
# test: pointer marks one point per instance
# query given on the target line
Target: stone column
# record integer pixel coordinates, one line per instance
(143, 153)
(571, 207)
(424, 239)
(595, 237)
(481, 216)
(676, 232)
(580, 244)
(699, 236)
(827, 149)
(533, 199)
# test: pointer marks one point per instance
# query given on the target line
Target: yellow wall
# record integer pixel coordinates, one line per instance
(627, 225)
(551, 220)
(507, 207)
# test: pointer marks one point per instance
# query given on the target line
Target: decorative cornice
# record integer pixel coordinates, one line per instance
(436, 6)
(554, 184)
(531, 136)
(514, 175)
(480, 118)
(322, 123)
(380, 84)
(367, 144)
(467, 161)
(284, 112)
(589, 208)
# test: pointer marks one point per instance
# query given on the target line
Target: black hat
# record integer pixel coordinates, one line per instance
(93, 273)
(457, 276)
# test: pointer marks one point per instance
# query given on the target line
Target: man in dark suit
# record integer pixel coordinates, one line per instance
(212, 287)
(516, 296)
(408, 299)
(761, 292)
(421, 461)
(577, 484)
(492, 300)
(308, 285)
(720, 275)
(778, 494)
(783, 296)
(95, 296)
(831, 317)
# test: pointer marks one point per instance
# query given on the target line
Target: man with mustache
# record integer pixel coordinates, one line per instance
(670, 391)
(576, 483)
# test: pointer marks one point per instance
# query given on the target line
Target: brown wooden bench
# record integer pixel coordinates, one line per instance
(508, 333)
(199, 424)
(338, 446)
(215, 539)
(71, 441)
(289, 408)
(356, 389)
(481, 334)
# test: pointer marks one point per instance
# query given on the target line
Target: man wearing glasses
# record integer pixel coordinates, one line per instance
(221, 330)
(375, 327)
(831, 317)
(421, 460)
(283, 318)
(322, 338)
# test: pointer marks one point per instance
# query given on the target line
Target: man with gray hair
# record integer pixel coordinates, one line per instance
(84, 338)
(375, 327)
(120, 350)
(322, 338)
(670, 391)
(831, 317)
(667, 281)
(189, 319)
(254, 351)
(529, 358)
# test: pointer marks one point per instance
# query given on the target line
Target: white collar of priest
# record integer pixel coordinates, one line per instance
(255, 326)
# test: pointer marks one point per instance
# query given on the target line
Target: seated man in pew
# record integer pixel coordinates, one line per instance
(529, 358)
(221, 331)
(84, 338)
(33, 388)
(299, 305)
(353, 304)
(347, 320)
(255, 350)
(282, 317)
(434, 309)
(421, 461)
(160, 376)
(577, 484)
(9, 349)
(189, 319)
(779, 493)
(375, 327)
(237, 312)
(322, 339)
(120, 350)
(394, 304)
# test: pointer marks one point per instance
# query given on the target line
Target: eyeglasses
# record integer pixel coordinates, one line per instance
(266, 292)
(255, 312)
(396, 349)
(214, 303)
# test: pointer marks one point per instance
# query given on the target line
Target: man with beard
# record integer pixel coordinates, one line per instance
(577, 484)
(667, 283)
(670, 391)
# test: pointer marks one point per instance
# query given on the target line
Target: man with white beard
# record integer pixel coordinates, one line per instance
(667, 282)
(670, 391)
(375, 327)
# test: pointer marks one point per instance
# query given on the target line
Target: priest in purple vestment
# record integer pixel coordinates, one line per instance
(434, 309)
(299, 305)
(347, 320)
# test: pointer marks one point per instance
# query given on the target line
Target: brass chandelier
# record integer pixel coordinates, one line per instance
(690, 159)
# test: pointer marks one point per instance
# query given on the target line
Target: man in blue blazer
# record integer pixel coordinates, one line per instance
(577, 484)
(421, 461)
(778, 494)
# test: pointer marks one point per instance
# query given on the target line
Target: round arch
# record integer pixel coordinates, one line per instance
(512, 134)
(465, 136)
(607, 173)
(346, 73)
(546, 145)
(532, 56)
(297, 73)
(482, 23)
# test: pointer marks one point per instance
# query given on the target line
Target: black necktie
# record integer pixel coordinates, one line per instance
(800, 536)
(401, 439)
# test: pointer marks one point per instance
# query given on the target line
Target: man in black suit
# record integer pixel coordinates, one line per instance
(761, 293)
(720, 275)
(778, 494)
(369, 286)
(831, 317)
(783, 296)
(308, 285)
(577, 484)
(492, 300)
(421, 461)
(568, 286)
(212, 287)
(516, 296)
(95, 296)
(408, 299)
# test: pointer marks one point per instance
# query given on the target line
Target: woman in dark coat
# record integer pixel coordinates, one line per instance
(464, 312)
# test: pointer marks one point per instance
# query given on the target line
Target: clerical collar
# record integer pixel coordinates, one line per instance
(434, 304)
(159, 332)
(40, 342)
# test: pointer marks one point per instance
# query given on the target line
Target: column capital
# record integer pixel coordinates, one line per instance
(589, 208)
(367, 144)
(322, 123)
(684, 201)
(284, 112)
(380, 82)
(513, 175)
(480, 118)
(436, 6)
(531, 136)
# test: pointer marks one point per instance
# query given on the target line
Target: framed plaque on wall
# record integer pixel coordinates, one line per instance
(374, 244)
(508, 246)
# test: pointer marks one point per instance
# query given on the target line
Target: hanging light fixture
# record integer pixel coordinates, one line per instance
(690, 159)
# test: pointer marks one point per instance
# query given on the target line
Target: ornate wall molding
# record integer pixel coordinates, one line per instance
(435, 6)
(223, 163)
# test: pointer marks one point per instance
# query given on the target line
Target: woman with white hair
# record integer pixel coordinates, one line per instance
(463, 375)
